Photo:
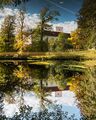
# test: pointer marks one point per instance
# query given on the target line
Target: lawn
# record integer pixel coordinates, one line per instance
(67, 55)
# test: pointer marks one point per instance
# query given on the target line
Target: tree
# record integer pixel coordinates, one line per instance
(62, 42)
(84, 87)
(9, 2)
(7, 35)
(35, 47)
(20, 37)
(26, 112)
(46, 16)
(75, 39)
(87, 23)
(51, 44)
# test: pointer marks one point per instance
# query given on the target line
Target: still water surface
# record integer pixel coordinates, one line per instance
(47, 91)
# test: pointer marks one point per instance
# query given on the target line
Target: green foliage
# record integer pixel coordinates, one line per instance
(21, 36)
(46, 16)
(26, 113)
(7, 79)
(36, 43)
(7, 35)
(62, 42)
(36, 40)
(36, 79)
(84, 87)
(51, 44)
(11, 2)
(87, 23)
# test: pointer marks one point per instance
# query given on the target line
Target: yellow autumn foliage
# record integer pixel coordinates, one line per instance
(75, 37)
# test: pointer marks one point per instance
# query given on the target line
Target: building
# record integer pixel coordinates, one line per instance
(59, 29)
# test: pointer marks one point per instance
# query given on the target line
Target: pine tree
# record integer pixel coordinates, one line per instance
(7, 34)
(46, 16)
(11, 2)
(87, 23)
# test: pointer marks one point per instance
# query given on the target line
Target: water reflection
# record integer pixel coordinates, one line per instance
(85, 90)
(36, 91)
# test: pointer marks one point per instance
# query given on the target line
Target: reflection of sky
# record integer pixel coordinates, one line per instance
(68, 102)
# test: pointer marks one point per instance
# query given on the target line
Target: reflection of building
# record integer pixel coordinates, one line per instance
(55, 88)
(58, 94)
(52, 86)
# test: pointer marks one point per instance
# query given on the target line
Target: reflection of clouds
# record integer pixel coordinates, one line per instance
(31, 100)
(67, 101)
(10, 109)
(68, 98)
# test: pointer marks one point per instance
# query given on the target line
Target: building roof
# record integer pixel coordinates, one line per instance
(55, 88)
(54, 33)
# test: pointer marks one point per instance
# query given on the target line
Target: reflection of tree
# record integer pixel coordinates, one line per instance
(85, 88)
(59, 76)
(7, 80)
(42, 95)
(26, 113)
(23, 73)
(7, 83)
(41, 75)
(34, 78)
(1, 103)
(22, 77)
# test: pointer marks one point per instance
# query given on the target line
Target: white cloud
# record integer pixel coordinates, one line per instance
(32, 20)
(67, 98)
(10, 109)
(68, 26)
(6, 11)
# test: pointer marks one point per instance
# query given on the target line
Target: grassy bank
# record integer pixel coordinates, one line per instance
(68, 55)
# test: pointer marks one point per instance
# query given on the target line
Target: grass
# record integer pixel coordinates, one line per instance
(67, 55)
(89, 63)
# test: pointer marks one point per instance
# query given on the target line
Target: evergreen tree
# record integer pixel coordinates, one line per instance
(87, 24)
(46, 16)
(7, 34)
(62, 42)
(13, 2)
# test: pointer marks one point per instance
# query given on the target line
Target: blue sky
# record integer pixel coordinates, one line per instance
(68, 8)
(67, 101)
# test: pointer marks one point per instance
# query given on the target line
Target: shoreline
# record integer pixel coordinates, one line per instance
(42, 56)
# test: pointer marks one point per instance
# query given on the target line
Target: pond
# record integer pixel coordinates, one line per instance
(48, 90)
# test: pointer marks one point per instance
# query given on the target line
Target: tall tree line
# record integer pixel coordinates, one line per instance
(87, 24)
(7, 34)
(12, 40)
